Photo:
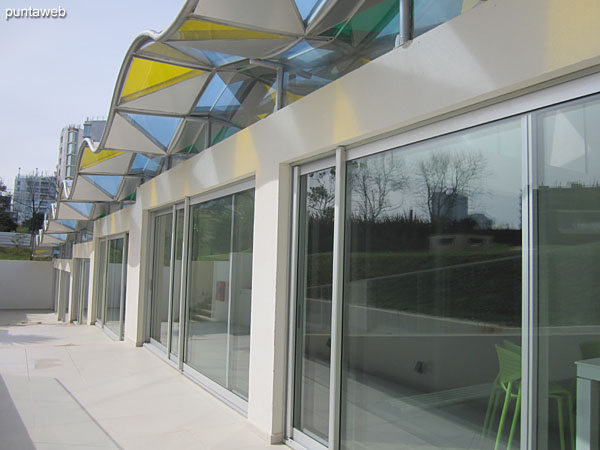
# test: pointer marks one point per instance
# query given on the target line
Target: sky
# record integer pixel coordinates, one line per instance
(56, 72)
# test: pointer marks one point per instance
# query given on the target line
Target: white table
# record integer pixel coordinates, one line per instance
(588, 403)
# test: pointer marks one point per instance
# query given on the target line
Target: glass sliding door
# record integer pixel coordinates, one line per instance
(219, 287)
(76, 300)
(115, 284)
(313, 304)
(208, 300)
(84, 284)
(177, 267)
(65, 294)
(112, 273)
(101, 284)
(567, 268)
(432, 293)
(240, 290)
(161, 275)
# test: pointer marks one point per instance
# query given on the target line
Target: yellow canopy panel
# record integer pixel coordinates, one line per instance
(199, 30)
(89, 158)
(145, 77)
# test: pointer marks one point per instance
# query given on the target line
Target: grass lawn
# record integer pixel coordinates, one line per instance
(13, 252)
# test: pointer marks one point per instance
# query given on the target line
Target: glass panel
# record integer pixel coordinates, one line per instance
(108, 183)
(215, 90)
(313, 316)
(85, 284)
(56, 288)
(113, 286)
(432, 293)
(308, 8)
(429, 14)
(567, 266)
(159, 326)
(144, 165)
(76, 298)
(101, 281)
(161, 128)
(175, 312)
(66, 293)
(241, 292)
(220, 132)
(208, 300)
(145, 77)
(82, 208)
(68, 223)
(219, 290)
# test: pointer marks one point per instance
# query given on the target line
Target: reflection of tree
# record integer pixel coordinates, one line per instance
(447, 178)
(372, 181)
(320, 195)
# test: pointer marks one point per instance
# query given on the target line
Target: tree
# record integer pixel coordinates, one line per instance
(34, 185)
(320, 198)
(446, 177)
(372, 180)
(35, 223)
(6, 222)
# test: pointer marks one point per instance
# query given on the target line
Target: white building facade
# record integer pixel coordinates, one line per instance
(305, 272)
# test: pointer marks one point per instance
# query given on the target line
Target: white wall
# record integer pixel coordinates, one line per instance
(499, 50)
(26, 285)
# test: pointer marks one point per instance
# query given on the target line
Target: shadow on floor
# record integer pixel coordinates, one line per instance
(12, 428)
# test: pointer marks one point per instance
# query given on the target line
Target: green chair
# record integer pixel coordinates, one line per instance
(509, 381)
(496, 393)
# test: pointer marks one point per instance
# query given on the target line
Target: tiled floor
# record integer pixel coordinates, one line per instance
(72, 387)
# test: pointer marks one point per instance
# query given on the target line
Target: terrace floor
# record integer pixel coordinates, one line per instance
(72, 387)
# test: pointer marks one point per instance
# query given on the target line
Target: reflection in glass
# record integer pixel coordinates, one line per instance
(432, 289)
(160, 278)
(101, 281)
(113, 315)
(85, 284)
(175, 308)
(65, 287)
(313, 316)
(568, 267)
(220, 276)
(76, 302)
(208, 299)
(241, 292)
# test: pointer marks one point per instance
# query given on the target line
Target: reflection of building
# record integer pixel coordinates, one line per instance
(33, 193)
(211, 260)
(482, 222)
(449, 206)
(454, 242)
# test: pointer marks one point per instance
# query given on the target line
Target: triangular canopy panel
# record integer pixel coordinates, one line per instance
(108, 162)
(158, 49)
(191, 138)
(86, 191)
(160, 128)
(308, 9)
(123, 135)
(175, 99)
(270, 15)
(72, 211)
(145, 77)
(107, 183)
(61, 226)
(215, 59)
